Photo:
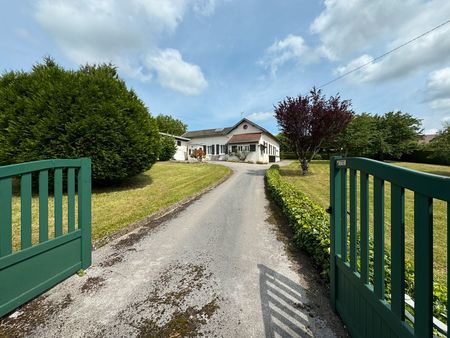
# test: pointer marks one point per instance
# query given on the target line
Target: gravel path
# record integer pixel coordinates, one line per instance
(219, 268)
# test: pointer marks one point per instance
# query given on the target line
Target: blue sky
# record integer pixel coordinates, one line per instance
(206, 61)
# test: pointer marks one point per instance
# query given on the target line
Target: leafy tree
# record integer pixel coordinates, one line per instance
(402, 133)
(168, 124)
(51, 112)
(285, 144)
(392, 134)
(168, 148)
(441, 144)
(359, 136)
(310, 120)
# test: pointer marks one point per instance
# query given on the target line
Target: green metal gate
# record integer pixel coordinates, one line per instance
(360, 301)
(37, 257)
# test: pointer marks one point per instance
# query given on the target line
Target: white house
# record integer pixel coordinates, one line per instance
(245, 141)
(182, 147)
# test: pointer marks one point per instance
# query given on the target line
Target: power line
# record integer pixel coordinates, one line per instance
(383, 55)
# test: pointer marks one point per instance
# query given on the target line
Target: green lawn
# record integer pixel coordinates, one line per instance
(115, 207)
(316, 186)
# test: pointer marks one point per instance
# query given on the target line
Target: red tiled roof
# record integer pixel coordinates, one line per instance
(427, 138)
(245, 138)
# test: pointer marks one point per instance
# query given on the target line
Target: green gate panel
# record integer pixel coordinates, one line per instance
(33, 269)
(361, 311)
(358, 292)
(39, 269)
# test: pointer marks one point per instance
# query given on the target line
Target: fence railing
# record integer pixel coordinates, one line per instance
(359, 299)
(41, 261)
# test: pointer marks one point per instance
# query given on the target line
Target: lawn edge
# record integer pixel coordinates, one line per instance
(155, 219)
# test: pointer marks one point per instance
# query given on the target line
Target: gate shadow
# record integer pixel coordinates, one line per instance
(281, 304)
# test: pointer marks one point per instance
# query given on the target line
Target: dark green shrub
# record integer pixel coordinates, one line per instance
(51, 112)
(311, 227)
(168, 148)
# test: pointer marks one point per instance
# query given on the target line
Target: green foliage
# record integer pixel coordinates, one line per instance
(360, 135)
(393, 134)
(441, 144)
(168, 124)
(311, 227)
(309, 220)
(168, 148)
(401, 133)
(51, 112)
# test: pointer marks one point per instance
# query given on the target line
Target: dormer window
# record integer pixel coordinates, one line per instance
(245, 126)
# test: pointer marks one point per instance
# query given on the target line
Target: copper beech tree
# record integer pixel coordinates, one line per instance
(309, 120)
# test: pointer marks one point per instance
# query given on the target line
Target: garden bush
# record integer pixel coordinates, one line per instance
(311, 226)
(51, 112)
(168, 148)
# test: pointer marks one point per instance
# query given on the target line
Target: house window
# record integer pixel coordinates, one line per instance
(217, 149)
(252, 147)
(204, 149)
(265, 147)
(190, 151)
(233, 149)
(178, 143)
(245, 126)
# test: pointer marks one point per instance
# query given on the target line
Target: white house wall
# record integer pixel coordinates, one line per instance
(182, 151)
(270, 141)
(199, 142)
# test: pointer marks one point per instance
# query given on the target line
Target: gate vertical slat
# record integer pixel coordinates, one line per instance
(343, 202)
(353, 229)
(58, 192)
(448, 265)
(70, 199)
(364, 204)
(84, 209)
(25, 211)
(423, 265)
(335, 240)
(398, 251)
(378, 220)
(43, 206)
(5, 216)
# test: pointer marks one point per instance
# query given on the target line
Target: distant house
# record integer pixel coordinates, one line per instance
(425, 139)
(245, 141)
(182, 147)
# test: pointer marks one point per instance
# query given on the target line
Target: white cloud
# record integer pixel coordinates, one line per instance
(346, 26)
(123, 32)
(438, 89)
(260, 116)
(438, 83)
(205, 7)
(291, 49)
(373, 27)
(177, 74)
(430, 131)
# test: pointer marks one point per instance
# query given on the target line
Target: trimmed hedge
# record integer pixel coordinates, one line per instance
(50, 112)
(311, 227)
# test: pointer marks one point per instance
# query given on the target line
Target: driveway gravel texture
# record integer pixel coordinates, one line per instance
(221, 267)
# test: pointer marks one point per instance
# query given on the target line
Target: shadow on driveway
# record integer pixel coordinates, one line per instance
(282, 303)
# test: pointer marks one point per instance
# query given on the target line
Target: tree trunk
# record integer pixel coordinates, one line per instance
(304, 165)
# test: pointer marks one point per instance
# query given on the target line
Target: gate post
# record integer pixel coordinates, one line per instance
(84, 211)
(335, 224)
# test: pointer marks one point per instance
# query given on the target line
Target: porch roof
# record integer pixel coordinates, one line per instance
(245, 138)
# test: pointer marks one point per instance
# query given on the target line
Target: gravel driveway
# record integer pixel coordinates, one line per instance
(218, 268)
